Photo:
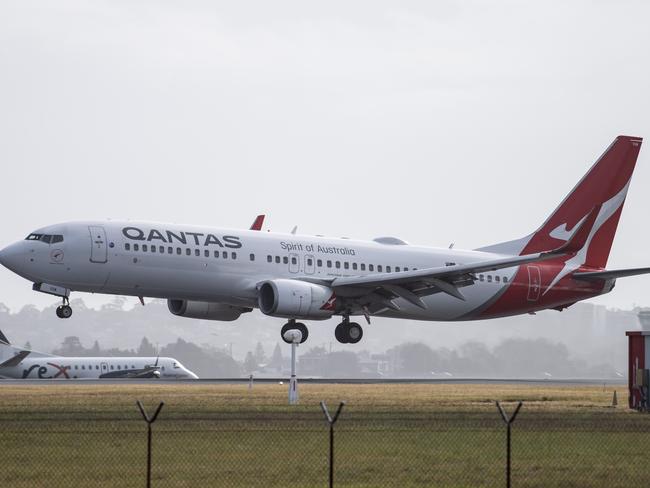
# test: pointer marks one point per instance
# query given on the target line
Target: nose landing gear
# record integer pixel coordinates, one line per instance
(64, 311)
(348, 332)
(293, 325)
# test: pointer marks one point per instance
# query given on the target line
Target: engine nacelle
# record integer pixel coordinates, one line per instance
(295, 299)
(205, 310)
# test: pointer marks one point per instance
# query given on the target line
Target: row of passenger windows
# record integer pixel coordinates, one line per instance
(488, 278)
(285, 260)
(112, 367)
(336, 264)
(179, 251)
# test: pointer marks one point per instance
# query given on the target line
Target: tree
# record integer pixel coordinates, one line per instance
(276, 359)
(260, 356)
(95, 350)
(342, 364)
(146, 348)
(71, 346)
(415, 358)
(250, 364)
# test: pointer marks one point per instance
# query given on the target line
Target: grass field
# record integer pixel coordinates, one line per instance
(388, 435)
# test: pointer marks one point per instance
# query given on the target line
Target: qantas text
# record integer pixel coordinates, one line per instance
(167, 236)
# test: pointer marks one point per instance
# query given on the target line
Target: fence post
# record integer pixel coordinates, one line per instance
(149, 420)
(331, 421)
(508, 421)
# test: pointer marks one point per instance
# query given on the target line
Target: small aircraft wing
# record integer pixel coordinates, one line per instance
(258, 222)
(608, 274)
(15, 361)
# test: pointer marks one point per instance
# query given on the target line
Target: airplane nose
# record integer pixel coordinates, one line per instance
(12, 256)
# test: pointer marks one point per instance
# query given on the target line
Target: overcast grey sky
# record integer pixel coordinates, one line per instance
(437, 122)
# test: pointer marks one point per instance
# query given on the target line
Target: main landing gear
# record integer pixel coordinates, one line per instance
(348, 332)
(293, 325)
(64, 311)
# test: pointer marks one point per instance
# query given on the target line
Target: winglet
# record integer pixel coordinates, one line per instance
(257, 224)
(3, 339)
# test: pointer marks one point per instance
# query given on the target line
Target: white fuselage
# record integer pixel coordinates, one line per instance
(60, 367)
(226, 265)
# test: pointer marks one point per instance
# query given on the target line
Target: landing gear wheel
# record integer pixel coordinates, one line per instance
(348, 332)
(64, 311)
(293, 325)
(355, 332)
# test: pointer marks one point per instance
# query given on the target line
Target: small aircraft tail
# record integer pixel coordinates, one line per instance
(602, 190)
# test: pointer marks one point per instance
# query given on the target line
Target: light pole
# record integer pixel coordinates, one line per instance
(293, 336)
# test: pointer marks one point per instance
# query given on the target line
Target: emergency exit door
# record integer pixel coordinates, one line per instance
(98, 247)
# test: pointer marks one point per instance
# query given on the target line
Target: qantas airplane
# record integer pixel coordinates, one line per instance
(219, 274)
(18, 363)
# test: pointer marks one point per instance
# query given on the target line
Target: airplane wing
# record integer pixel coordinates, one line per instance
(15, 361)
(608, 274)
(378, 290)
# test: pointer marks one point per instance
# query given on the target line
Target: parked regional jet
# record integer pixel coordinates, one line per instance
(218, 274)
(16, 363)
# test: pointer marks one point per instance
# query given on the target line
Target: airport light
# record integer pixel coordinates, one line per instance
(293, 336)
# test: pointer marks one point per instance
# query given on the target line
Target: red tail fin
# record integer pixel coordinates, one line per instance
(604, 187)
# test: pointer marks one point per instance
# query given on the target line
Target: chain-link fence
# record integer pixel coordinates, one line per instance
(280, 448)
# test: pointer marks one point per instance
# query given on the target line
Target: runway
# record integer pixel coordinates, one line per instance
(324, 381)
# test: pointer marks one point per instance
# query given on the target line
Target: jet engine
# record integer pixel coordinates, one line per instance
(296, 299)
(205, 310)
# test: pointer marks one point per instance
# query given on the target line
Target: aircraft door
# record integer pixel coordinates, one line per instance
(534, 283)
(294, 263)
(98, 246)
(104, 368)
(309, 264)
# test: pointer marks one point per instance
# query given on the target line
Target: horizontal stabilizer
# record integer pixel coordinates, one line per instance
(608, 274)
(15, 360)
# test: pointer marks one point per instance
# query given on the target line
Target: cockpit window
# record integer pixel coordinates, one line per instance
(49, 238)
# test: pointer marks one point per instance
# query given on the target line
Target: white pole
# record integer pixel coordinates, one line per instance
(295, 336)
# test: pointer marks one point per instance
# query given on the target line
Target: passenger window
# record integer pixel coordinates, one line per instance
(497, 279)
(118, 367)
(206, 253)
(294, 261)
(127, 247)
(170, 250)
(76, 367)
(153, 248)
(233, 255)
(188, 251)
(252, 257)
(178, 251)
(197, 252)
(224, 254)
(269, 258)
(371, 267)
(111, 367)
(363, 266)
(505, 279)
(97, 366)
(277, 260)
(387, 269)
(319, 263)
(405, 268)
(310, 262)
(489, 278)
(338, 264)
(329, 263)
(354, 266)
(285, 259)
(346, 265)
(379, 268)
(144, 247)
(83, 366)
(161, 249)
(480, 277)
(216, 254)
(136, 247)
(397, 269)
